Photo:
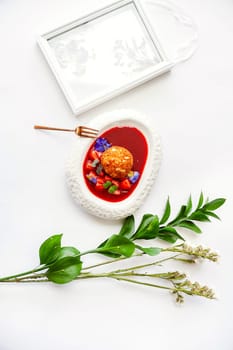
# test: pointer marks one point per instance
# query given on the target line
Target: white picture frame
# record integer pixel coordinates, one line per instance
(103, 54)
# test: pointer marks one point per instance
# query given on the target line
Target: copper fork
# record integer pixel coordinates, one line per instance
(83, 131)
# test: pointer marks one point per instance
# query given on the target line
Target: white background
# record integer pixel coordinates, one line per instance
(192, 109)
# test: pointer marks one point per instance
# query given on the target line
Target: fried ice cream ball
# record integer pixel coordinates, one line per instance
(117, 162)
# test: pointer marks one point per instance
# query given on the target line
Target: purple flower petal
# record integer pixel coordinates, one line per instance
(101, 144)
(135, 177)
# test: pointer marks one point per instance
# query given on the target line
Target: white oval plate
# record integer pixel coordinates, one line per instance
(74, 173)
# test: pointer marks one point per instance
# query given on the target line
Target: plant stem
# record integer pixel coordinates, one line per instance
(175, 289)
(111, 261)
(119, 277)
(189, 261)
(31, 274)
(154, 275)
(157, 262)
(139, 282)
(25, 280)
(35, 276)
(15, 277)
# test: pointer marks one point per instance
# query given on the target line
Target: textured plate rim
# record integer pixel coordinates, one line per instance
(74, 175)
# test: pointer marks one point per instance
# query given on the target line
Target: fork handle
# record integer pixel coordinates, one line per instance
(51, 128)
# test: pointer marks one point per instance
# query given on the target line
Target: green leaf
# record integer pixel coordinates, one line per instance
(65, 274)
(68, 251)
(109, 254)
(200, 201)
(215, 204)
(152, 251)
(65, 262)
(148, 228)
(188, 206)
(67, 266)
(127, 228)
(49, 249)
(169, 234)
(210, 213)
(166, 213)
(198, 215)
(180, 215)
(118, 245)
(146, 219)
(190, 225)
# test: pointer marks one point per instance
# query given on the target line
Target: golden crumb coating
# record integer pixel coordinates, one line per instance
(117, 162)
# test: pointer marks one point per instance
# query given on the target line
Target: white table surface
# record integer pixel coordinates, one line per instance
(192, 109)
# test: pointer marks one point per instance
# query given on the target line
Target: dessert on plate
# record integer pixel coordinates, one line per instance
(111, 176)
(114, 163)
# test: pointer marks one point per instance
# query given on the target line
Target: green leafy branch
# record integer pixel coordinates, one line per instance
(151, 227)
(62, 264)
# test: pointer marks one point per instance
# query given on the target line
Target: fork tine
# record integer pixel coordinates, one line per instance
(86, 131)
(94, 134)
(88, 135)
(86, 128)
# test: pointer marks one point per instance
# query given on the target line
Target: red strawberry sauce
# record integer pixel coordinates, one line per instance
(132, 139)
